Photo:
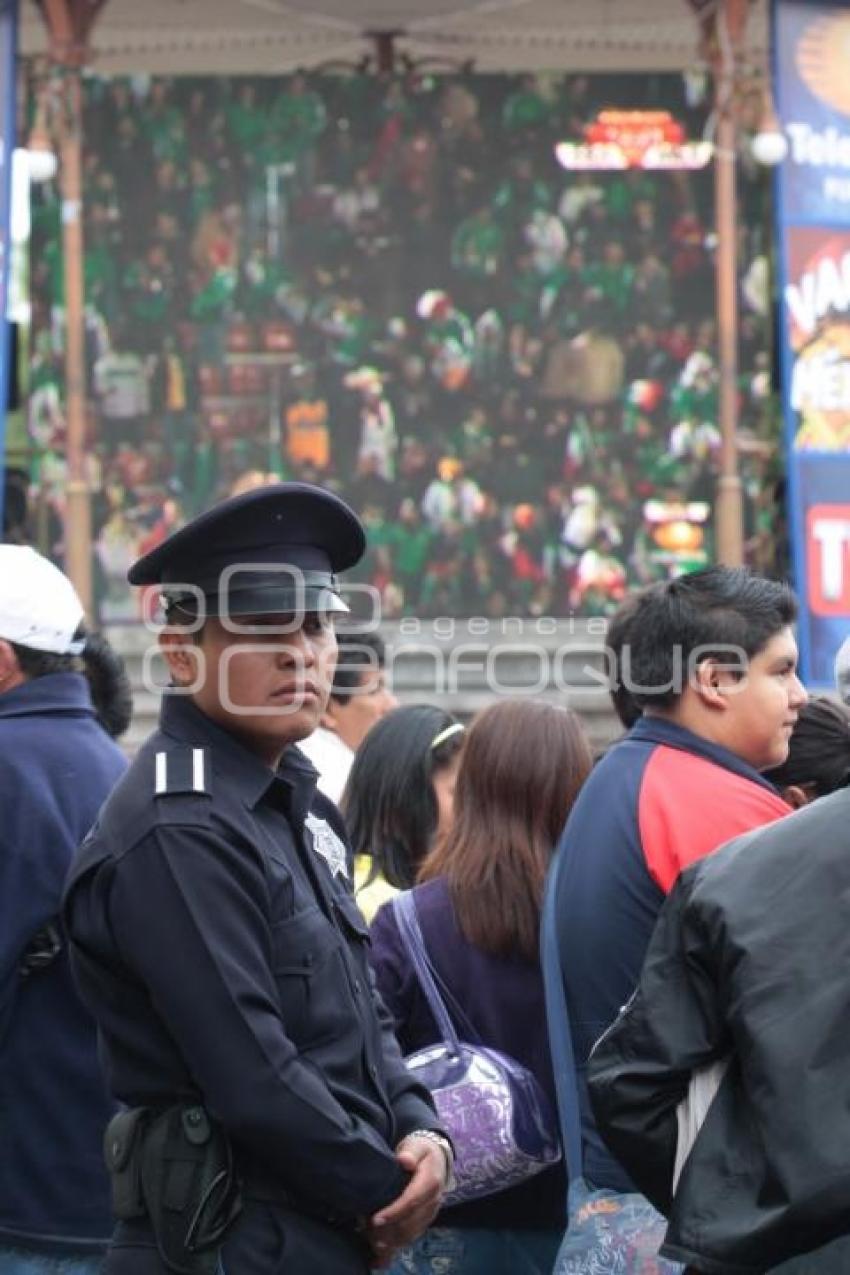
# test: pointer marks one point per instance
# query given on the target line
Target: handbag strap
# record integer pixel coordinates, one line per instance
(407, 919)
(558, 1020)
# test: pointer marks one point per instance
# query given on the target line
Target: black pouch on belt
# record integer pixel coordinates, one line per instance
(187, 1185)
(121, 1146)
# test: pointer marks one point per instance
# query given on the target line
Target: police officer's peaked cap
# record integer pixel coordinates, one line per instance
(273, 550)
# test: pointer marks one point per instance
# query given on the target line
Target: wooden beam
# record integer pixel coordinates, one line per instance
(733, 14)
(57, 18)
(69, 24)
(90, 16)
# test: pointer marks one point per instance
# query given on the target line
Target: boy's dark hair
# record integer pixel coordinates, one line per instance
(722, 612)
(819, 750)
(111, 692)
(617, 635)
(358, 652)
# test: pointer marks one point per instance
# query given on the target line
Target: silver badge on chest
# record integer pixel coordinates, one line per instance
(328, 845)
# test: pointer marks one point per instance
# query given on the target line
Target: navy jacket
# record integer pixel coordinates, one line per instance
(660, 799)
(218, 945)
(57, 765)
(502, 1000)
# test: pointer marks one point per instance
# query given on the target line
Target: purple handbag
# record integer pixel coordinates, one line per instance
(500, 1121)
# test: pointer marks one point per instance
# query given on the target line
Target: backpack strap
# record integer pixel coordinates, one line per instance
(558, 1021)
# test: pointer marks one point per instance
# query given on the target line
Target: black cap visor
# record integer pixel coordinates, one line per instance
(259, 593)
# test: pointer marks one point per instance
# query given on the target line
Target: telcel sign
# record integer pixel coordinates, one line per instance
(618, 139)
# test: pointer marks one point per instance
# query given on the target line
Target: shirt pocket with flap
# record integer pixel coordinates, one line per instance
(305, 950)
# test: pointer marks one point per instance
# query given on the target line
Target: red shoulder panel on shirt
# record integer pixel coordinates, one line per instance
(689, 806)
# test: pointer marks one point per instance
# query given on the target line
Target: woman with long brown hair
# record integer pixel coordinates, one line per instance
(478, 904)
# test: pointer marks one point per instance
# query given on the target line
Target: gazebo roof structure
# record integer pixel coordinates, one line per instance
(235, 37)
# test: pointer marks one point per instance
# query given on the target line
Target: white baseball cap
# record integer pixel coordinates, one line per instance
(39, 607)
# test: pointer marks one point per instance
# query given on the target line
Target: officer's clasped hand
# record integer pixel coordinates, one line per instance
(404, 1220)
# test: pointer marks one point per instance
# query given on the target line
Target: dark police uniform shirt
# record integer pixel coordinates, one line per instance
(217, 944)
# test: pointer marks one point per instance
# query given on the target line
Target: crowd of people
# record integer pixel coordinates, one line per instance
(389, 285)
(259, 961)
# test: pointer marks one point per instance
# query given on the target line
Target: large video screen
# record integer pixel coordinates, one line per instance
(392, 287)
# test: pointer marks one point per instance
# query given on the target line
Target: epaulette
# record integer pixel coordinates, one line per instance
(182, 770)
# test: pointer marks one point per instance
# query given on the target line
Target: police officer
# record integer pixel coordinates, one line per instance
(217, 943)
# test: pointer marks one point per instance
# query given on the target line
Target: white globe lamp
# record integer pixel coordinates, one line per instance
(41, 156)
(769, 145)
(769, 148)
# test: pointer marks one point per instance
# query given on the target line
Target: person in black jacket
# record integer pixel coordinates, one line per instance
(218, 945)
(747, 968)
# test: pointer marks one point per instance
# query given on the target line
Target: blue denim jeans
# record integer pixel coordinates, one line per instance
(470, 1251)
(18, 1261)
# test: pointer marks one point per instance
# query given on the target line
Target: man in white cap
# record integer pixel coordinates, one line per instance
(57, 766)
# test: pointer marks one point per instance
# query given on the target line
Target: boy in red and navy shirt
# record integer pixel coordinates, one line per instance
(711, 662)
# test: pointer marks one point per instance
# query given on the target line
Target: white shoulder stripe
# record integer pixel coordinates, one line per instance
(198, 782)
(161, 773)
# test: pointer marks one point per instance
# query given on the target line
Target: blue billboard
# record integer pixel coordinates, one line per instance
(812, 60)
(8, 49)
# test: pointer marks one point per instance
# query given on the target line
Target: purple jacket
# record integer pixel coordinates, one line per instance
(502, 997)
